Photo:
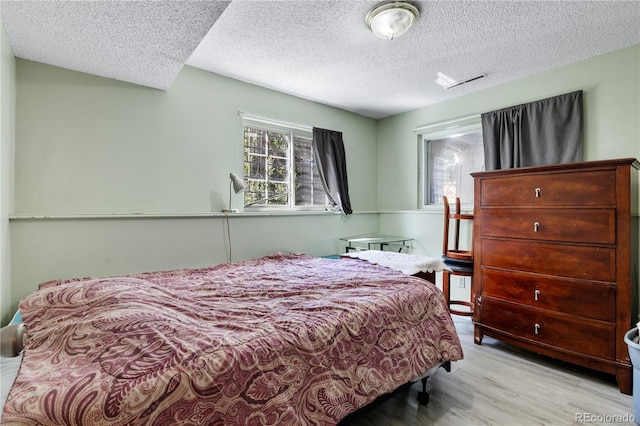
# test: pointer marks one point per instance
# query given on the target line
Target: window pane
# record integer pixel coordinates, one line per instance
(254, 167)
(278, 169)
(255, 144)
(279, 166)
(278, 194)
(256, 191)
(303, 155)
(278, 144)
(254, 140)
(450, 162)
(266, 154)
(309, 188)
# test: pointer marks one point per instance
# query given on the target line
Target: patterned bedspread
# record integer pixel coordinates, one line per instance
(285, 339)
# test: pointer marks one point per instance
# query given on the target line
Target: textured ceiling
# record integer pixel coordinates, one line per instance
(321, 50)
(141, 42)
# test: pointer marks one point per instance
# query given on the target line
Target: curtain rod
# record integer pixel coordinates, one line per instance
(444, 123)
(275, 121)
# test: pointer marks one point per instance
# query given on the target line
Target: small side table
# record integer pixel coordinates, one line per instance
(372, 240)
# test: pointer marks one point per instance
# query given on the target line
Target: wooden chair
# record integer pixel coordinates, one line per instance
(460, 261)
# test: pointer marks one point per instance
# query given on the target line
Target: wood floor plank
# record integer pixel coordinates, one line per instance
(498, 384)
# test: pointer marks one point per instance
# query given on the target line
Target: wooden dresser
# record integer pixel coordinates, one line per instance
(556, 261)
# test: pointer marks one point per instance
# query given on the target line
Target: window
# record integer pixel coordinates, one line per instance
(279, 167)
(448, 156)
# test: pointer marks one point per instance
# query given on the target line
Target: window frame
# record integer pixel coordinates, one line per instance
(295, 131)
(438, 131)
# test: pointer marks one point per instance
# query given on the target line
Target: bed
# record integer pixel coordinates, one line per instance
(284, 339)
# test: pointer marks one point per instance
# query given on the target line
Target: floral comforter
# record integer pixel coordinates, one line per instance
(285, 339)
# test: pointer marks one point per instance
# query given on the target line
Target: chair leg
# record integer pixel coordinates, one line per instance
(446, 289)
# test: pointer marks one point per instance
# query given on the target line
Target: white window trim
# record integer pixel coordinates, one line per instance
(435, 131)
(274, 122)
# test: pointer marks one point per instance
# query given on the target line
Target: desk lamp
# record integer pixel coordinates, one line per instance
(238, 185)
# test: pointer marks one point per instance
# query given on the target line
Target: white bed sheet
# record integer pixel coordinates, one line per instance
(408, 264)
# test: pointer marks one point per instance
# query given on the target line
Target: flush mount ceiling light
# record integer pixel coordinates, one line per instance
(391, 19)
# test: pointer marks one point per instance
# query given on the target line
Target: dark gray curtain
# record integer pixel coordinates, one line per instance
(548, 131)
(328, 149)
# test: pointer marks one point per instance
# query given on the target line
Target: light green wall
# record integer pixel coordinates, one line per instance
(91, 145)
(7, 144)
(611, 85)
(65, 248)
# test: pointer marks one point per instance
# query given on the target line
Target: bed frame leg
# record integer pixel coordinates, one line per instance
(423, 397)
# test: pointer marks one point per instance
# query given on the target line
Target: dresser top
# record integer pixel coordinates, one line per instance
(563, 167)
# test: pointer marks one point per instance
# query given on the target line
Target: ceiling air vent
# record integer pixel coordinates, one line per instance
(447, 82)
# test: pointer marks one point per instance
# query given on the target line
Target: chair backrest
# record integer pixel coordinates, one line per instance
(455, 253)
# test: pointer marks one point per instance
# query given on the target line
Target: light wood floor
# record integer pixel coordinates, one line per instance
(498, 384)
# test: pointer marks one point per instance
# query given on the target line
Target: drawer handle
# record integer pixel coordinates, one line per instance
(536, 295)
(536, 329)
(537, 192)
(536, 225)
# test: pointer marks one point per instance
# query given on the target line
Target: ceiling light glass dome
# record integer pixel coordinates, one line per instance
(390, 20)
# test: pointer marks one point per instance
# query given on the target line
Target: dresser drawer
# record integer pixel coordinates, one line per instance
(573, 261)
(596, 226)
(589, 188)
(563, 331)
(582, 298)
